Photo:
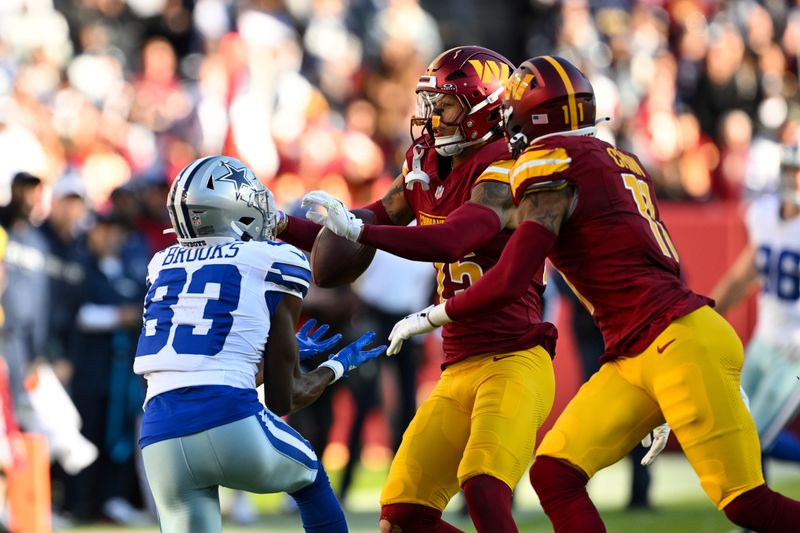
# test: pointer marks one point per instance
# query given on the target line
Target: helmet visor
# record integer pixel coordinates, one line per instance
(438, 110)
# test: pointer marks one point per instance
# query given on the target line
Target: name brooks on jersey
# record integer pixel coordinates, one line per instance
(177, 254)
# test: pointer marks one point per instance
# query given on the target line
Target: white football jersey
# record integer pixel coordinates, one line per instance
(777, 242)
(207, 312)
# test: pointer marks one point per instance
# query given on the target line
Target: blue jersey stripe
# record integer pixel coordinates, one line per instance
(292, 270)
(278, 432)
(291, 283)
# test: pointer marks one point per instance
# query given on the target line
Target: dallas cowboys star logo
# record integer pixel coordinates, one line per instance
(237, 177)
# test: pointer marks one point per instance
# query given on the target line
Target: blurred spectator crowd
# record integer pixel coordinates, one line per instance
(102, 102)
(317, 93)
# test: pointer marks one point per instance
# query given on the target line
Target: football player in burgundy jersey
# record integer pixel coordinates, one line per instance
(590, 208)
(477, 430)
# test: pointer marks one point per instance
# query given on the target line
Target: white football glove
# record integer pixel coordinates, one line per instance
(417, 323)
(334, 216)
(656, 440)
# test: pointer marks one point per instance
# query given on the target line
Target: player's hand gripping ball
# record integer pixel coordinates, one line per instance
(335, 261)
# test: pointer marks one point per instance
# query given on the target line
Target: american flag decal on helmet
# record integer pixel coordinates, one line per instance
(539, 119)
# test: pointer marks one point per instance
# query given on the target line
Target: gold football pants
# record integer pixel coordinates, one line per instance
(481, 418)
(689, 376)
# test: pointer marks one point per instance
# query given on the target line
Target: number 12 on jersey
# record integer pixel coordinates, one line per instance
(640, 191)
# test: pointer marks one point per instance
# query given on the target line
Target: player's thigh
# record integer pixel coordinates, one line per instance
(184, 506)
(262, 454)
(603, 422)
(696, 383)
(424, 469)
(513, 398)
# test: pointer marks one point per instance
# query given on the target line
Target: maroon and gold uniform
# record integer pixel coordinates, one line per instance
(516, 326)
(616, 254)
(590, 208)
(483, 414)
(613, 250)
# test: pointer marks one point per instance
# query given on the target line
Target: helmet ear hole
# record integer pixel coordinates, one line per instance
(246, 220)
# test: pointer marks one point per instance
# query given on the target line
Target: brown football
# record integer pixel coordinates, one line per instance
(335, 261)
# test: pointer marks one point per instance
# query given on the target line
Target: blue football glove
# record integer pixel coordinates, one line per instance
(310, 343)
(353, 355)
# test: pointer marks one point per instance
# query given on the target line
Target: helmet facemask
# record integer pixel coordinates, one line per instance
(262, 201)
(437, 111)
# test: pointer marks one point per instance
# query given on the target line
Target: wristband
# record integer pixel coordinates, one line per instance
(336, 367)
(437, 316)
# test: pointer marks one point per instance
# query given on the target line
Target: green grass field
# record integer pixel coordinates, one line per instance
(679, 504)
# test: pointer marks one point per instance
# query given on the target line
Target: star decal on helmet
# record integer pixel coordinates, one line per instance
(237, 177)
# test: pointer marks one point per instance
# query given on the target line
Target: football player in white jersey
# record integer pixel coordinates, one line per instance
(772, 257)
(219, 319)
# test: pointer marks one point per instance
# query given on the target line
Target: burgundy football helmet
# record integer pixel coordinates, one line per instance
(476, 77)
(544, 96)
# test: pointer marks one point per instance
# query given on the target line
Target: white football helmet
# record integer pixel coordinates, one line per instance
(217, 199)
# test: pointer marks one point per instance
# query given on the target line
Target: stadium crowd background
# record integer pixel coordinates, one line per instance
(105, 100)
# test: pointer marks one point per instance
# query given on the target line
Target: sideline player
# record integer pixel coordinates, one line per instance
(772, 257)
(477, 430)
(219, 320)
(589, 207)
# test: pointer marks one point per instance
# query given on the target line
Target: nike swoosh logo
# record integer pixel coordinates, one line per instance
(301, 256)
(499, 357)
(660, 349)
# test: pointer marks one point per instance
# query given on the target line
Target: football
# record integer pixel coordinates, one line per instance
(335, 261)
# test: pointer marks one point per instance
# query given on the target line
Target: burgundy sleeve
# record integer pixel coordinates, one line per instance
(508, 280)
(381, 216)
(300, 232)
(466, 229)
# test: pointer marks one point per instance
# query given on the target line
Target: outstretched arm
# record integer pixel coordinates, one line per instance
(287, 387)
(542, 216)
(391, 209)
(466, 229)
(737, 282)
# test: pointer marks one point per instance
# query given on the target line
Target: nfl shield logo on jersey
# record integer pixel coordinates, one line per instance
(439, 192)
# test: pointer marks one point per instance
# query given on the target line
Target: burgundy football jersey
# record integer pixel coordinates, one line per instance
(518, 326)
(613, 250)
